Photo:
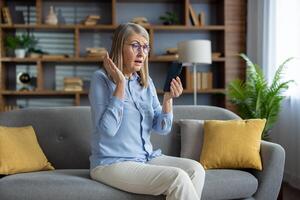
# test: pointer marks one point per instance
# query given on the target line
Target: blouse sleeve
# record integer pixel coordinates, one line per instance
(107, 110)
(162, 122)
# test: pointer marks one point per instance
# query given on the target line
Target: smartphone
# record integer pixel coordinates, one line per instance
(173, 72)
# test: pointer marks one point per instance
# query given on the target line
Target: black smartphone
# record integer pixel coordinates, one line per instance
(173, 71)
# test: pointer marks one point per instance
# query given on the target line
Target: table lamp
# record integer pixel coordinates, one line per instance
(194, 52)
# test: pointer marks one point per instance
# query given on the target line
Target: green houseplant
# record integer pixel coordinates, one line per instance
(254, 98)
(20, 44)
(170, 18)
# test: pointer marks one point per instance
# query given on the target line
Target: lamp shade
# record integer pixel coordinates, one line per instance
(195, 51)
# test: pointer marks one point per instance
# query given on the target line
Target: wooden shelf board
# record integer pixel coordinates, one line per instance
(168, 59)
(60, 26)
(11, 59)
(68, 59)
(41, 93)
(112, 27)
(89, 59)
(99, 26)
(189, 28)
(161, 59)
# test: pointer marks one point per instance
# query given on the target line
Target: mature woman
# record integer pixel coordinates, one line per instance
(125, 109)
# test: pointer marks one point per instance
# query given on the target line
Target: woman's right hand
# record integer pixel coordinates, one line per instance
(112, 70)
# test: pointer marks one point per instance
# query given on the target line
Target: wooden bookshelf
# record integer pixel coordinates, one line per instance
(226, 30)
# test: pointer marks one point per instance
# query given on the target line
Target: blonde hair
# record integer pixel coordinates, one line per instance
(121, 34)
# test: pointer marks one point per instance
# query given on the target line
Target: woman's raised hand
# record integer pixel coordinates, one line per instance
(112, 70)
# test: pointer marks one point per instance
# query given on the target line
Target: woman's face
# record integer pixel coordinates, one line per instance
(135, 51)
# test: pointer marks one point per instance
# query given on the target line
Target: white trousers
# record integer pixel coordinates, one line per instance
(177, 178)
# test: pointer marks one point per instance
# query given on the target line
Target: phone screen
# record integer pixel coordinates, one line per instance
(173, 71)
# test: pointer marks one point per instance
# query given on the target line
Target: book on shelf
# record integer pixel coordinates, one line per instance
(210, 80)
(99, 52)
(96, 50)
(199, 80)
(204, 84)
(6, 16)
(204, 80)
(167, 56)
(172, 50)
(73, 88)
(95, 17)
(193, 16)
(216, 55)
(143, 21)
(7, 108)
(91, 20)
(188, 79)
(54, 56)
(201, 18)
(73, 80)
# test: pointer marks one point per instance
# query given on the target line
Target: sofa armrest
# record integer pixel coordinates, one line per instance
(270, 178)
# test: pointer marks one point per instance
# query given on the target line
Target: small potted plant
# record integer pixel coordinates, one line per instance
(170, 18)
(20, 44)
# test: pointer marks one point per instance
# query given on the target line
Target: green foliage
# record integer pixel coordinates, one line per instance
(169, 18)
(254, 98)
(20, 41)
(37, 51)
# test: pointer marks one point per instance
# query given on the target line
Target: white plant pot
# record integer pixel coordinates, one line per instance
(20, 53)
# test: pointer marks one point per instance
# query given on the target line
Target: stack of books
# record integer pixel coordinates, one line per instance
(143, 21)
(204, 80)
(171, 54)
(98, 52)
(91, 20)
(73, 84)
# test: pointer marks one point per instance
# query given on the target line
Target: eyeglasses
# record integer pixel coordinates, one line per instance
(136, 47)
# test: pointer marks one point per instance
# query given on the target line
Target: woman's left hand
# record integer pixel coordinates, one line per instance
(175, 89)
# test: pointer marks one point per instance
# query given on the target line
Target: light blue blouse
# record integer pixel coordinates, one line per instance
(122, 128)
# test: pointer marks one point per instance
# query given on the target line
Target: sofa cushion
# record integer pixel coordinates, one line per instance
(170, 143)
(61, 185)
(20, 151)
(76, 184)
(191, 132)
(228, 184)
(232, 144)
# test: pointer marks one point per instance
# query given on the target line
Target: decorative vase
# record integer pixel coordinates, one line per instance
(20, 53)
(51, 18)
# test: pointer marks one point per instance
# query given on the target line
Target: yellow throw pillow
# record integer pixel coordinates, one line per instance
(232, 144)
(20, 151)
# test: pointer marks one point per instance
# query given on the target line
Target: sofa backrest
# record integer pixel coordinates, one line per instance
(170, 144)
(64, 132)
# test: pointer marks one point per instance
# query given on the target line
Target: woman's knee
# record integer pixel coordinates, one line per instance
(194, 168)
(181, 175)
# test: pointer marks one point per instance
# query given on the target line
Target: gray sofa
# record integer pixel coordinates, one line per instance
(64, 134)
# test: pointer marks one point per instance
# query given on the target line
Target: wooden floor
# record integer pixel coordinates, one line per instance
(290, 193)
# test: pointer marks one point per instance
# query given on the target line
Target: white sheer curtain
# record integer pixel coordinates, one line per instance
(287, 130)
(273, 36)
(261, 33)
